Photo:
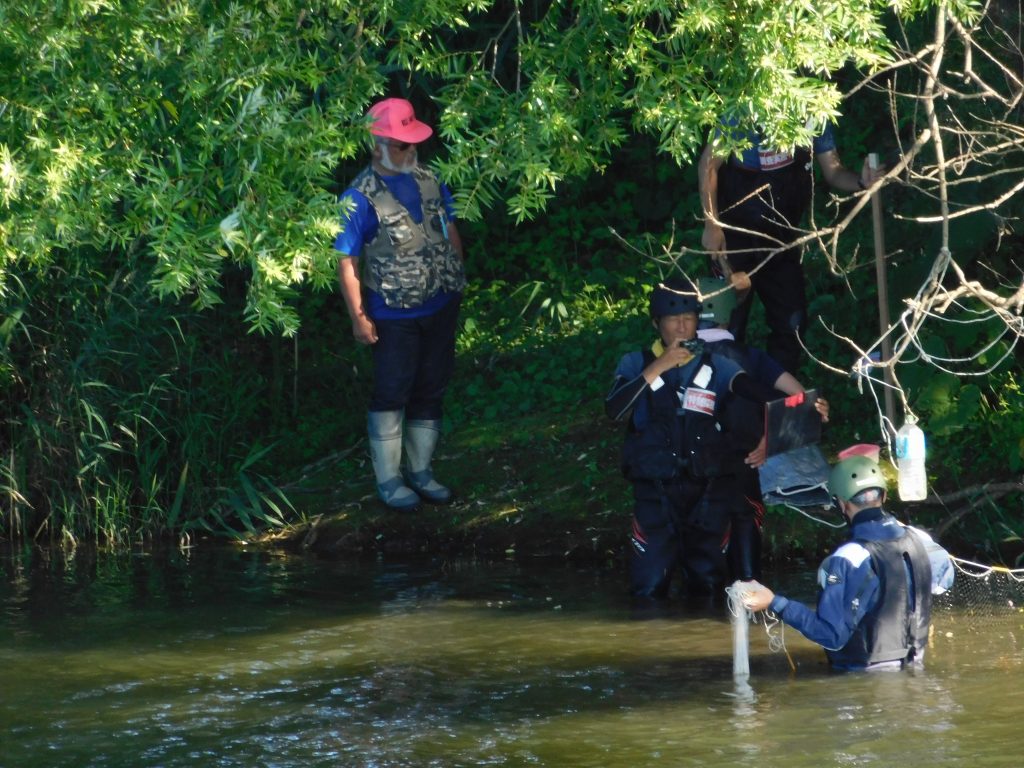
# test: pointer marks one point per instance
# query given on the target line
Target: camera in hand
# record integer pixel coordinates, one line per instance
(696, 346)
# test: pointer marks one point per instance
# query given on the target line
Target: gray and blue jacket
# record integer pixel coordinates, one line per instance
(875, 600)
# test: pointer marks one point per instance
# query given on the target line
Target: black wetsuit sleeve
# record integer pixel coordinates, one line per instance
(623, 396)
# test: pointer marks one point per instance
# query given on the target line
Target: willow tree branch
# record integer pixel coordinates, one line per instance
(977, 496)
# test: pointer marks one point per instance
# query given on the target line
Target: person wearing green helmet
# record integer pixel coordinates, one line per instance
(874, 607)
(673, 396)
(734, 505)
(718, 302)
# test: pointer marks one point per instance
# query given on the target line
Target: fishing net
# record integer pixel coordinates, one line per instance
(740, 618)
(983, 598)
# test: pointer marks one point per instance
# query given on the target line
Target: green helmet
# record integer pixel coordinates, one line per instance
(853, 475)
(717, 309)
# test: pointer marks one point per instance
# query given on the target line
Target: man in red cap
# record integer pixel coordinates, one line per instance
(402, 277)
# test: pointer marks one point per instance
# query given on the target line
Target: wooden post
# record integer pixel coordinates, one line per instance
(883, 295)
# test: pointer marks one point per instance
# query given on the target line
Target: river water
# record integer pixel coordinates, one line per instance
(226, 657)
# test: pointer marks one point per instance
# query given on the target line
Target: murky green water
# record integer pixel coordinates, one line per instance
(227, 658)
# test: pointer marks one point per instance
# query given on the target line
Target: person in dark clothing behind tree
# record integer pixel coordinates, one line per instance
(733, 505)
(753, 203)
(673, 396)
(874, 608)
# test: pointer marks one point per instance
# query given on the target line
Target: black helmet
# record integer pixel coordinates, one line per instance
(674, 296)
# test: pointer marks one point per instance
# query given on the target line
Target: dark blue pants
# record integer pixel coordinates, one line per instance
(745, 521)
(665, 539)
(769, 203)
(781, 287)
(413, 362)
(730, 513)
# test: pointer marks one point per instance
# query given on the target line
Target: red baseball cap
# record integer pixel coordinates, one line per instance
(861, 449)
(395, 119)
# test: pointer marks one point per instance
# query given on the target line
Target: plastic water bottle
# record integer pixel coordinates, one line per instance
(910, 452)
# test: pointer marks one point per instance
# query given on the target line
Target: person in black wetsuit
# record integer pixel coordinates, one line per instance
(754, 202)
(732, 504)
(674, 396)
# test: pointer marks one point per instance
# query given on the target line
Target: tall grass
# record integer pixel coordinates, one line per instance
(124, 418)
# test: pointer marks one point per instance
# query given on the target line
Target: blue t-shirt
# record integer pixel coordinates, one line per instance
(762, 367)
(360, 226)
(762, 158)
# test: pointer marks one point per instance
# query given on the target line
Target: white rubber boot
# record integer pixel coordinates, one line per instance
(421, 436)
(385, 431)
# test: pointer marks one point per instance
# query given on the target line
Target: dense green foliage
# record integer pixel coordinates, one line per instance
(170, 347)
(202, 133)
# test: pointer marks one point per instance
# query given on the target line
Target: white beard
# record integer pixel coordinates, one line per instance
(385, 160)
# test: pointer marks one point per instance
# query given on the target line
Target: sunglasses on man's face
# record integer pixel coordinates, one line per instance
(401, 146)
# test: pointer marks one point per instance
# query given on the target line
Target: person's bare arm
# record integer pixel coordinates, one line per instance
(363, 329)
(713, 238)
(841, 178)
(671, 358)
(788, 384)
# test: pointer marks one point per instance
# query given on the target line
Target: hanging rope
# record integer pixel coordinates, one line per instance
(980, 571)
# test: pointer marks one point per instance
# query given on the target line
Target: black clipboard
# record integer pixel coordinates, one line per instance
(791, 422)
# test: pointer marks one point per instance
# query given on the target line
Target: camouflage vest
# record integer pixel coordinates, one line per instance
(408, 263)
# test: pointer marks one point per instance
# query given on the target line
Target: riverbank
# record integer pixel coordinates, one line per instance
(546, 488)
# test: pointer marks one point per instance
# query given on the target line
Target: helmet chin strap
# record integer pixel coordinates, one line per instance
(837, 505)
